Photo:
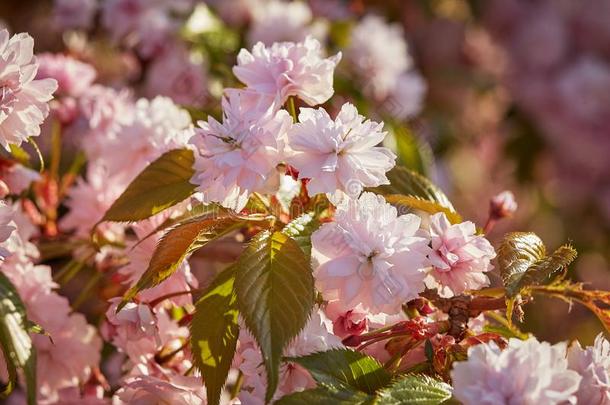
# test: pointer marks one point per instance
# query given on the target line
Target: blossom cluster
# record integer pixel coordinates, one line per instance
(394, 285)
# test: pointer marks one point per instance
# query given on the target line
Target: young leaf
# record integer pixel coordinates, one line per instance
(407, 182)
(214, 333)
(162, 184)
(344, 367)
(327, 396)
(178, 243)
(300, 229)
(524, 263)
(275, 296)
(414, 389)
(15, 340)
(517, 253)
(416, 203)
(544, 268)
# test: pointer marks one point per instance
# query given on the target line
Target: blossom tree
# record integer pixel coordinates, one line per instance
(274, 249)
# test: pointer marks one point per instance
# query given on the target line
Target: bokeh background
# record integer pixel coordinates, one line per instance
(517, 96)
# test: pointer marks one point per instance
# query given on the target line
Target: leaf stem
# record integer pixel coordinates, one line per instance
(292, 109)
(38, 152)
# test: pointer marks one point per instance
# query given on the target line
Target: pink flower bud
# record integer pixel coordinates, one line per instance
(503, 205)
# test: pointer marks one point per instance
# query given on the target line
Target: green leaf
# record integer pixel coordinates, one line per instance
(416, 203)
(344, 367)
(300, 229)
(407, 182)
(162, 184)
(16, 343)
(417, 389)
(327, 396)
(214, 333)
(179, 242)
(412, 152)
(275, 295)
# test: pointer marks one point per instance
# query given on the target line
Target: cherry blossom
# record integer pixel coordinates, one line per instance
(338, 154)
(287, 69)
(238, 156)
(460, 258)
(593, 364)
(527, 372)
(23, 99)
(370, 256)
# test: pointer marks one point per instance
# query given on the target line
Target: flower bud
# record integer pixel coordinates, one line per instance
(502, 205)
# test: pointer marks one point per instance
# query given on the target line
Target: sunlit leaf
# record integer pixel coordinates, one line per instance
(162, 184)
(410, 183)
(415, 389)
(402, 202)
(19, 353)
(214, 333)
(275, 295)
(327, 396)
(517, 253)
(523, 261)
(300, 229)
(179, 242)
(344, 367)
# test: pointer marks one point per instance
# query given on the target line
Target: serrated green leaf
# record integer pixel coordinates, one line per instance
(414, 389)
(327, 396)
(179, 242)
(16, 343)
(517, 253)
(300, 229)
(162, 184)
(214, 333)
(346, 368)
(409, 183)
(416, 203)
(275, 295)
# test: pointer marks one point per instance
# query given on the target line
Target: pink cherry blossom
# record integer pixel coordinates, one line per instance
(6, 227)
(146, 390)
(370, 256)
(238, 156)
(17, 177)
(460, 258)
(23, 100)
(338, 154)
(73, 77)
(179, 75)
(527, 372)
(593, 364)
(288, 69)
(88, 201)
(74, 13)
(378, 66)
(346, 323)
(132, 322)
(281, 21)
(315, 337)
